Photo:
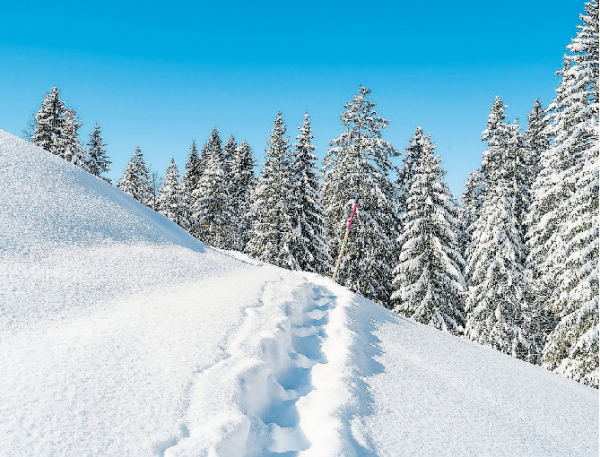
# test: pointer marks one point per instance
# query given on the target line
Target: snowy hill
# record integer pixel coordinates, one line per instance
(121, 335)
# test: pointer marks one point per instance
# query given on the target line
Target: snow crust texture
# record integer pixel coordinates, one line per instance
(121, 335)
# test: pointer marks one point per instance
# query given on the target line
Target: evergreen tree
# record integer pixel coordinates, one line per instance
(471, 201)
(546, 256)
(429, 284)
(57, 130)
(572, 347)
(357, 168)
(73, 151)
(565, 212)
(537, 137)
(98, 161)
(241, 190)
(410, 162)
(499, 299)
(170, 199)
(272, 229)
(228, 157)
(308, 245)
(229, 150)
(189, 184)
(49, 123)
(211, 211)
(214, 145)
(136, 178)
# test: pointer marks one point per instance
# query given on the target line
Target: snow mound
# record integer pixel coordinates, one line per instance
(48, 202)
(121, 335)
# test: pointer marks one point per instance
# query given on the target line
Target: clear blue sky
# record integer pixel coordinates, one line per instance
(160, 74)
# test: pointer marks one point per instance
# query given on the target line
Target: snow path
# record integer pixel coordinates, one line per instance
(281, 389)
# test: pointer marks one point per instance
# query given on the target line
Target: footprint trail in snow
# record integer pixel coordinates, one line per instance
(258, 400)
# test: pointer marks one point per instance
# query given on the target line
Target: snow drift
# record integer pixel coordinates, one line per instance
(120, 334)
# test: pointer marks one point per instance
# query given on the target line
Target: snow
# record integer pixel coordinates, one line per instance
(120, 334)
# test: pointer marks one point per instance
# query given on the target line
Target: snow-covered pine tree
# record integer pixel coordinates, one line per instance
(565, 212)
(308, 246)
(136, 178)
(228, 157)
(357, 168)
(212, 211)
(429, 284)
(572, 348)
(471, 202)
(57, 130)
(499, 299)
(241, 190)
(213, 145)
(537, 137)
(410, 162)
(545, 242)
(98, 162)
(73, 151)
(189, 183)
(169, 200)
(272, 228)
(229, 154)
(229, 151)
(49, 122)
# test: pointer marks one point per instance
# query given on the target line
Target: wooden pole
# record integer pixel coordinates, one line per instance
(337, 264)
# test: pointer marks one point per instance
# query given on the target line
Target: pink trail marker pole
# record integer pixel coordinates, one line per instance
(337, 264)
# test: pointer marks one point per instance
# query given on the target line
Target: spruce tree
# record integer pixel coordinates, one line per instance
(499, 300)
(72, 150)
(429, 284)
(189, 184)
(136, 178)
(213, 145)
(545, 242)
(565, 212)
(211, 211)
(229, 154)
(572, 347)
(470, 208)
(272, 229)
(308, 245)
(406, 174)
(357, 168)
(49, 123)
(98, 162)
(170, 199)
(241, 190)
(538, 137)
(228, 157)
(57, 130)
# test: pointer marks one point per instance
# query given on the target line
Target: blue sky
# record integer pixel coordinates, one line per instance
(160, 74)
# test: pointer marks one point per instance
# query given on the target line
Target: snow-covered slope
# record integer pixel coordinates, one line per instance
(121, 335)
